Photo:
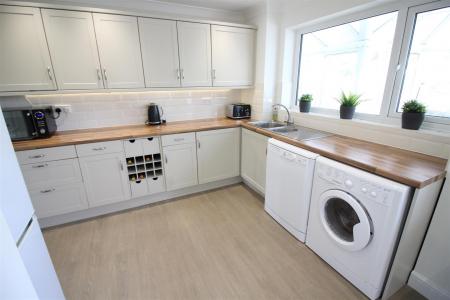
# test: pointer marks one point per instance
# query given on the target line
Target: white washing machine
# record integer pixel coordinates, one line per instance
(354, 222)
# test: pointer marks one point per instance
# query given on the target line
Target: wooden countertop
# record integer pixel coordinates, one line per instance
(410, 168)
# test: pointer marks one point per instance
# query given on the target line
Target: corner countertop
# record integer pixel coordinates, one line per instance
(407, 167)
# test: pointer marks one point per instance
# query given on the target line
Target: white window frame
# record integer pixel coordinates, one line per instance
(397, 65)
(432, 122)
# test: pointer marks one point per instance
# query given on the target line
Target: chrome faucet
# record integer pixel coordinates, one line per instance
(288, 121)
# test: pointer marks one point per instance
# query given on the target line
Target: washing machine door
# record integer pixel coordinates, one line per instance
(345, 220)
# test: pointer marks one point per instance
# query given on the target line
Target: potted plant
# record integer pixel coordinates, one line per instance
(305, 102)
(413, 114)
(348, 102)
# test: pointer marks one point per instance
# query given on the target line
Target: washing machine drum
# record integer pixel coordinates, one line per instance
(345, 220)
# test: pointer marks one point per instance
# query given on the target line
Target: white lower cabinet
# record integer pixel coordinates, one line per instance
(218, 154)
(55, 184)
(56, 200)
(148, 186)
(180, 165)
(56, 172)
(144, 166)
(105, 178)
(253, 157)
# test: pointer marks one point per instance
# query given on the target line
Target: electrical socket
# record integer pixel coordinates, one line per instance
(65, 108)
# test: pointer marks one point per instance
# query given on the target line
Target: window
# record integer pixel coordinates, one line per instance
(389, 54)
(353, 57)
(427, 75)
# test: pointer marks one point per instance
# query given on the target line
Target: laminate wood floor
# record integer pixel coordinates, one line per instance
(214, 245)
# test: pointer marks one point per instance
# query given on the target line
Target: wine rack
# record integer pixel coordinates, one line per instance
(144, 166)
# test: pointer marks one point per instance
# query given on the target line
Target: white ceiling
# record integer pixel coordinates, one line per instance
(234, 5)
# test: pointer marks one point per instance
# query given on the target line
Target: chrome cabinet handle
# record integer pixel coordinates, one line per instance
(99, 149)
(165, 158)
(213, 74)
(49, 71)
(198, 144)
(182, 73)
(121, 166)
(105, 75)
(47, 191)
(178, 139)
(36, 156)
(178, 74)
(99, 74)
(40, 166)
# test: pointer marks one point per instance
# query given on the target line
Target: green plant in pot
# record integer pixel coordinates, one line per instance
(305, 102)
(413, 114)
(348, 103)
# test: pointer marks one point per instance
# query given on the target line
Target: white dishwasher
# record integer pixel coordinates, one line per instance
(289, 178)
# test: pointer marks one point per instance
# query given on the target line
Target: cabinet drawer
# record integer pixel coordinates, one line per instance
(138, 147)
(151, 145)
(156, 185)
(51, 173)
(45, 154)
(139, 188)
(56, 200)
(133, 147)
(99, 148)
(177, 139)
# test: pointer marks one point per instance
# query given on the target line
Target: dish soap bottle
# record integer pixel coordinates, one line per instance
(275, 114)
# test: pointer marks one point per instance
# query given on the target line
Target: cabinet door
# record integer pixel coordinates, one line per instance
(56, 172)
(105, 178)
(253, 157)
(119, 48)
(218, 154)
(73, 48)
(52, 200)
(180, 165)
(159, 45)
(24, 61)
(232, 55)
(195, 53)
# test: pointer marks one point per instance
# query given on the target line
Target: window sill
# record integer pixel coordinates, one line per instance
(392, 126)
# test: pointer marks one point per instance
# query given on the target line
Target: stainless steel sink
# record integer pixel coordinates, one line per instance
(291, 131)
(267, 124)
(284, 129)
(300, 133)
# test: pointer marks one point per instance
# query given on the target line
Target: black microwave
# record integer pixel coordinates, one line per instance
(29, 123)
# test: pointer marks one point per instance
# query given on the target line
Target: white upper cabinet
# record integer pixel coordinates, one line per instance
(24, 59)
(119, 49)
(159, 45)
(218, 153)
(73, 48)
(194, 41)
(232, 55)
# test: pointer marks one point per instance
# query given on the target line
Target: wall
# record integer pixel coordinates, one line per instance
(290, 14)
(431, 275)
(115, 109)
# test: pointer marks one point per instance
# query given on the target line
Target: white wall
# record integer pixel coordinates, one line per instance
(116, 109)
(431, 275)
(289, 15)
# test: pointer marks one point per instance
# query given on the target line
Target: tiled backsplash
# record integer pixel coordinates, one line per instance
(130, 108)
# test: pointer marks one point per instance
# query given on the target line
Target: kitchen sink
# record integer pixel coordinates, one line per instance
(284, 129)
(267, 124)
(301, 133)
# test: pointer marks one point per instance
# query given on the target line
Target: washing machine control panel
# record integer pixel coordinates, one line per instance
(358, 187)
